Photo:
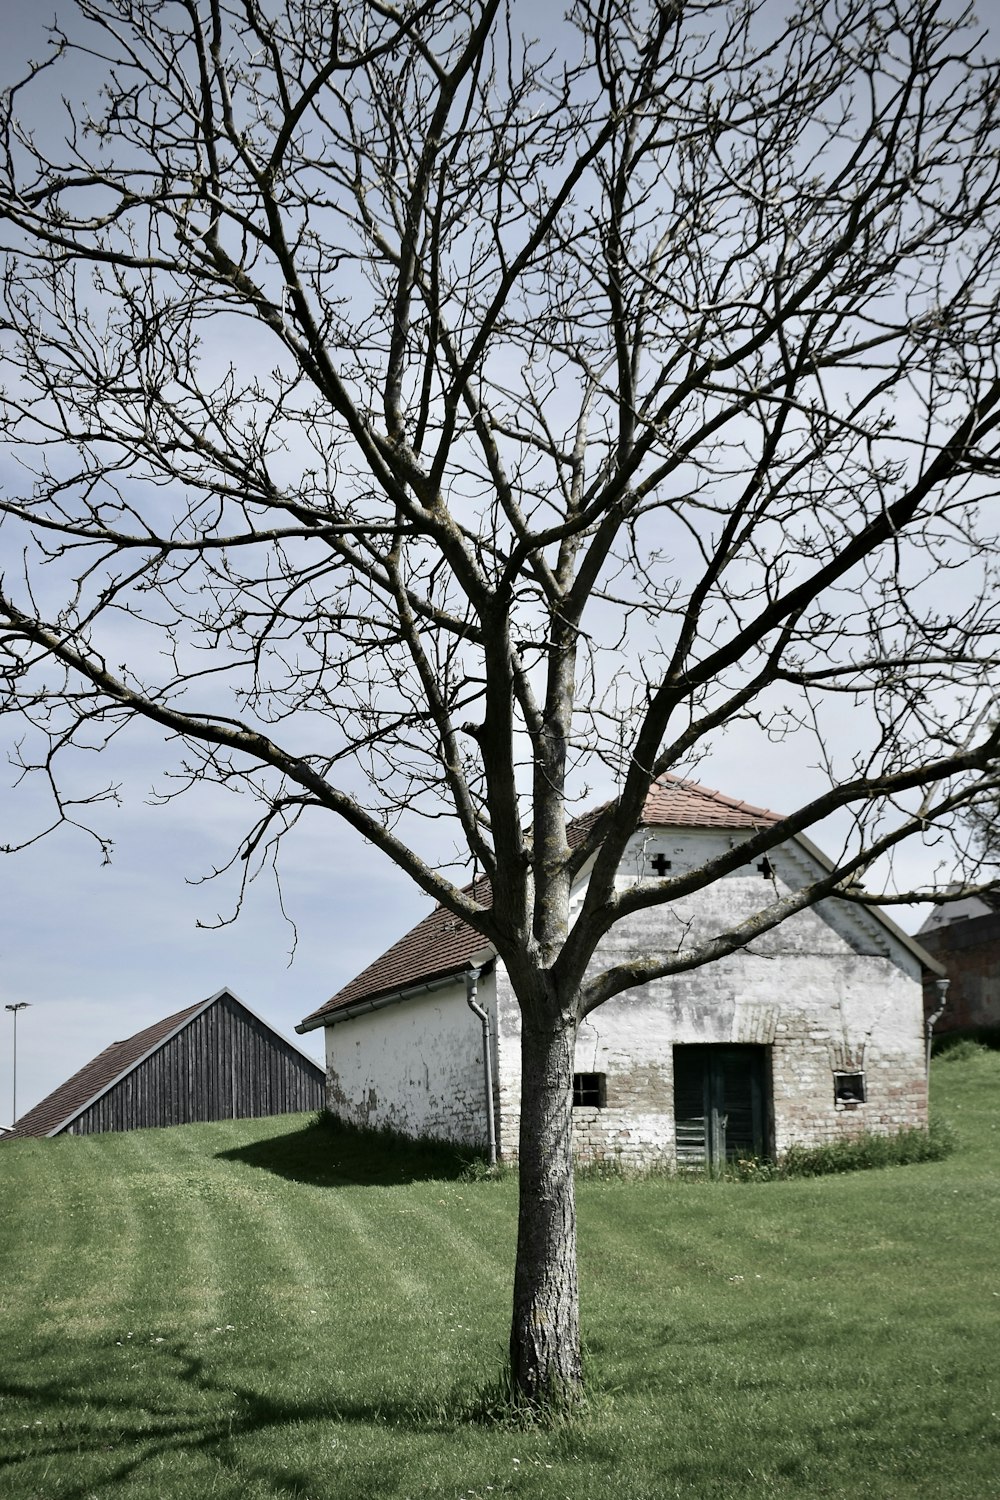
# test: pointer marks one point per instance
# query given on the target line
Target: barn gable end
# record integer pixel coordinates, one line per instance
(811, 1032)
(213, 1061)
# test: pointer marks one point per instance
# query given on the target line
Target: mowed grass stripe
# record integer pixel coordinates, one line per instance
(310, 1321)
(59, 1226)
(829, 1315)
(36, 1225)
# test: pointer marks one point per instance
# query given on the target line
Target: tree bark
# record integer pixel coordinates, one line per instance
(545, 1333)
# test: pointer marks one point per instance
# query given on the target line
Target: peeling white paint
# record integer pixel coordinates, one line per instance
(416, 1067)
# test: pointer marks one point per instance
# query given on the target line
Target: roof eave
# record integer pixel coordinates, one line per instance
(377, 1001)
(924, 958)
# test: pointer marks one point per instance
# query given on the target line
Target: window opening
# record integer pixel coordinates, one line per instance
(848, 1088)
(589, 1090)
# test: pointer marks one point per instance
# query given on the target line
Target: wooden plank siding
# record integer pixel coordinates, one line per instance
(224, 1064)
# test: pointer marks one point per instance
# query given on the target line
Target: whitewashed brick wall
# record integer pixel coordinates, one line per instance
(416, 1067)
(817, 991)
(820, 991)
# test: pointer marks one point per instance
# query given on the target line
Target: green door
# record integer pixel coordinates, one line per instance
(720, 1103)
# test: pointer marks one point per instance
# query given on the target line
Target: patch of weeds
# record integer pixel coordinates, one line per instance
(856, 1153)
(861, 1152)
(964, 1050)
(617, 1169)
(499, 1404)
(752, 1169)
(478, 1169)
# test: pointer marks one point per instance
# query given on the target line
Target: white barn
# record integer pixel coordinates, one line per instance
(813, 1031)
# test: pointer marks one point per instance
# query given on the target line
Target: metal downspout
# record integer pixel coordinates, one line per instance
(941, 985)
(471, 990)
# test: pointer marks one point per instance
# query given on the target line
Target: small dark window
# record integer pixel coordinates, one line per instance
(849, 1088)
(589, 1091)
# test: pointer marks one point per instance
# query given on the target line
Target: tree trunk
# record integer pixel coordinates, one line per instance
(545, 1333)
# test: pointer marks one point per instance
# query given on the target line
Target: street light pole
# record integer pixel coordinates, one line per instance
(18, 1005)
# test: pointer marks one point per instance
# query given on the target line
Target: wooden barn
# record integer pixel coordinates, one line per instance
(214, 1061)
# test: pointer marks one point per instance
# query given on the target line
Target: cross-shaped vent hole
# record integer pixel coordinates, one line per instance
(660, 863)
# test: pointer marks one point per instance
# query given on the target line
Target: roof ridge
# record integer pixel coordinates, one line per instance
(667, 789)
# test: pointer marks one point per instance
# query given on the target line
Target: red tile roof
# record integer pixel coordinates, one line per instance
(95, 1077)
(673, 803)
(442, 944)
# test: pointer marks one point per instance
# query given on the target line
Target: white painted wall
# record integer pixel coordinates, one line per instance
(415, 1066)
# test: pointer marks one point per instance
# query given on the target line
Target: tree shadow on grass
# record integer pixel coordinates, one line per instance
(328, 1153)
(87, 1426)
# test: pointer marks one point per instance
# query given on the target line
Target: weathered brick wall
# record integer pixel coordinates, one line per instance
(970, 952)
(808, 1046)
(634, 1051)
(821, 992)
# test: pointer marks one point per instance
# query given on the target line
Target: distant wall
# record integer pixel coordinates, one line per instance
(970, 953)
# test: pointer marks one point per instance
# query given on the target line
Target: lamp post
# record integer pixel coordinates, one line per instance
(18, 1005)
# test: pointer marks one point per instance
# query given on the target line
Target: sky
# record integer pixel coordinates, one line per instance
(99, 950)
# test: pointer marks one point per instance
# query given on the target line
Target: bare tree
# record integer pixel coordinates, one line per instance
(984, 830)
(422, 421)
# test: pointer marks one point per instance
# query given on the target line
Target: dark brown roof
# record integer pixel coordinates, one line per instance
(442, 944)
(95, 1077)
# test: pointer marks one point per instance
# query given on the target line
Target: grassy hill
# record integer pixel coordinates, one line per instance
(260, 1309)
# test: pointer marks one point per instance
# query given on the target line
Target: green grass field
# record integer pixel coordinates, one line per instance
(261, 1310)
